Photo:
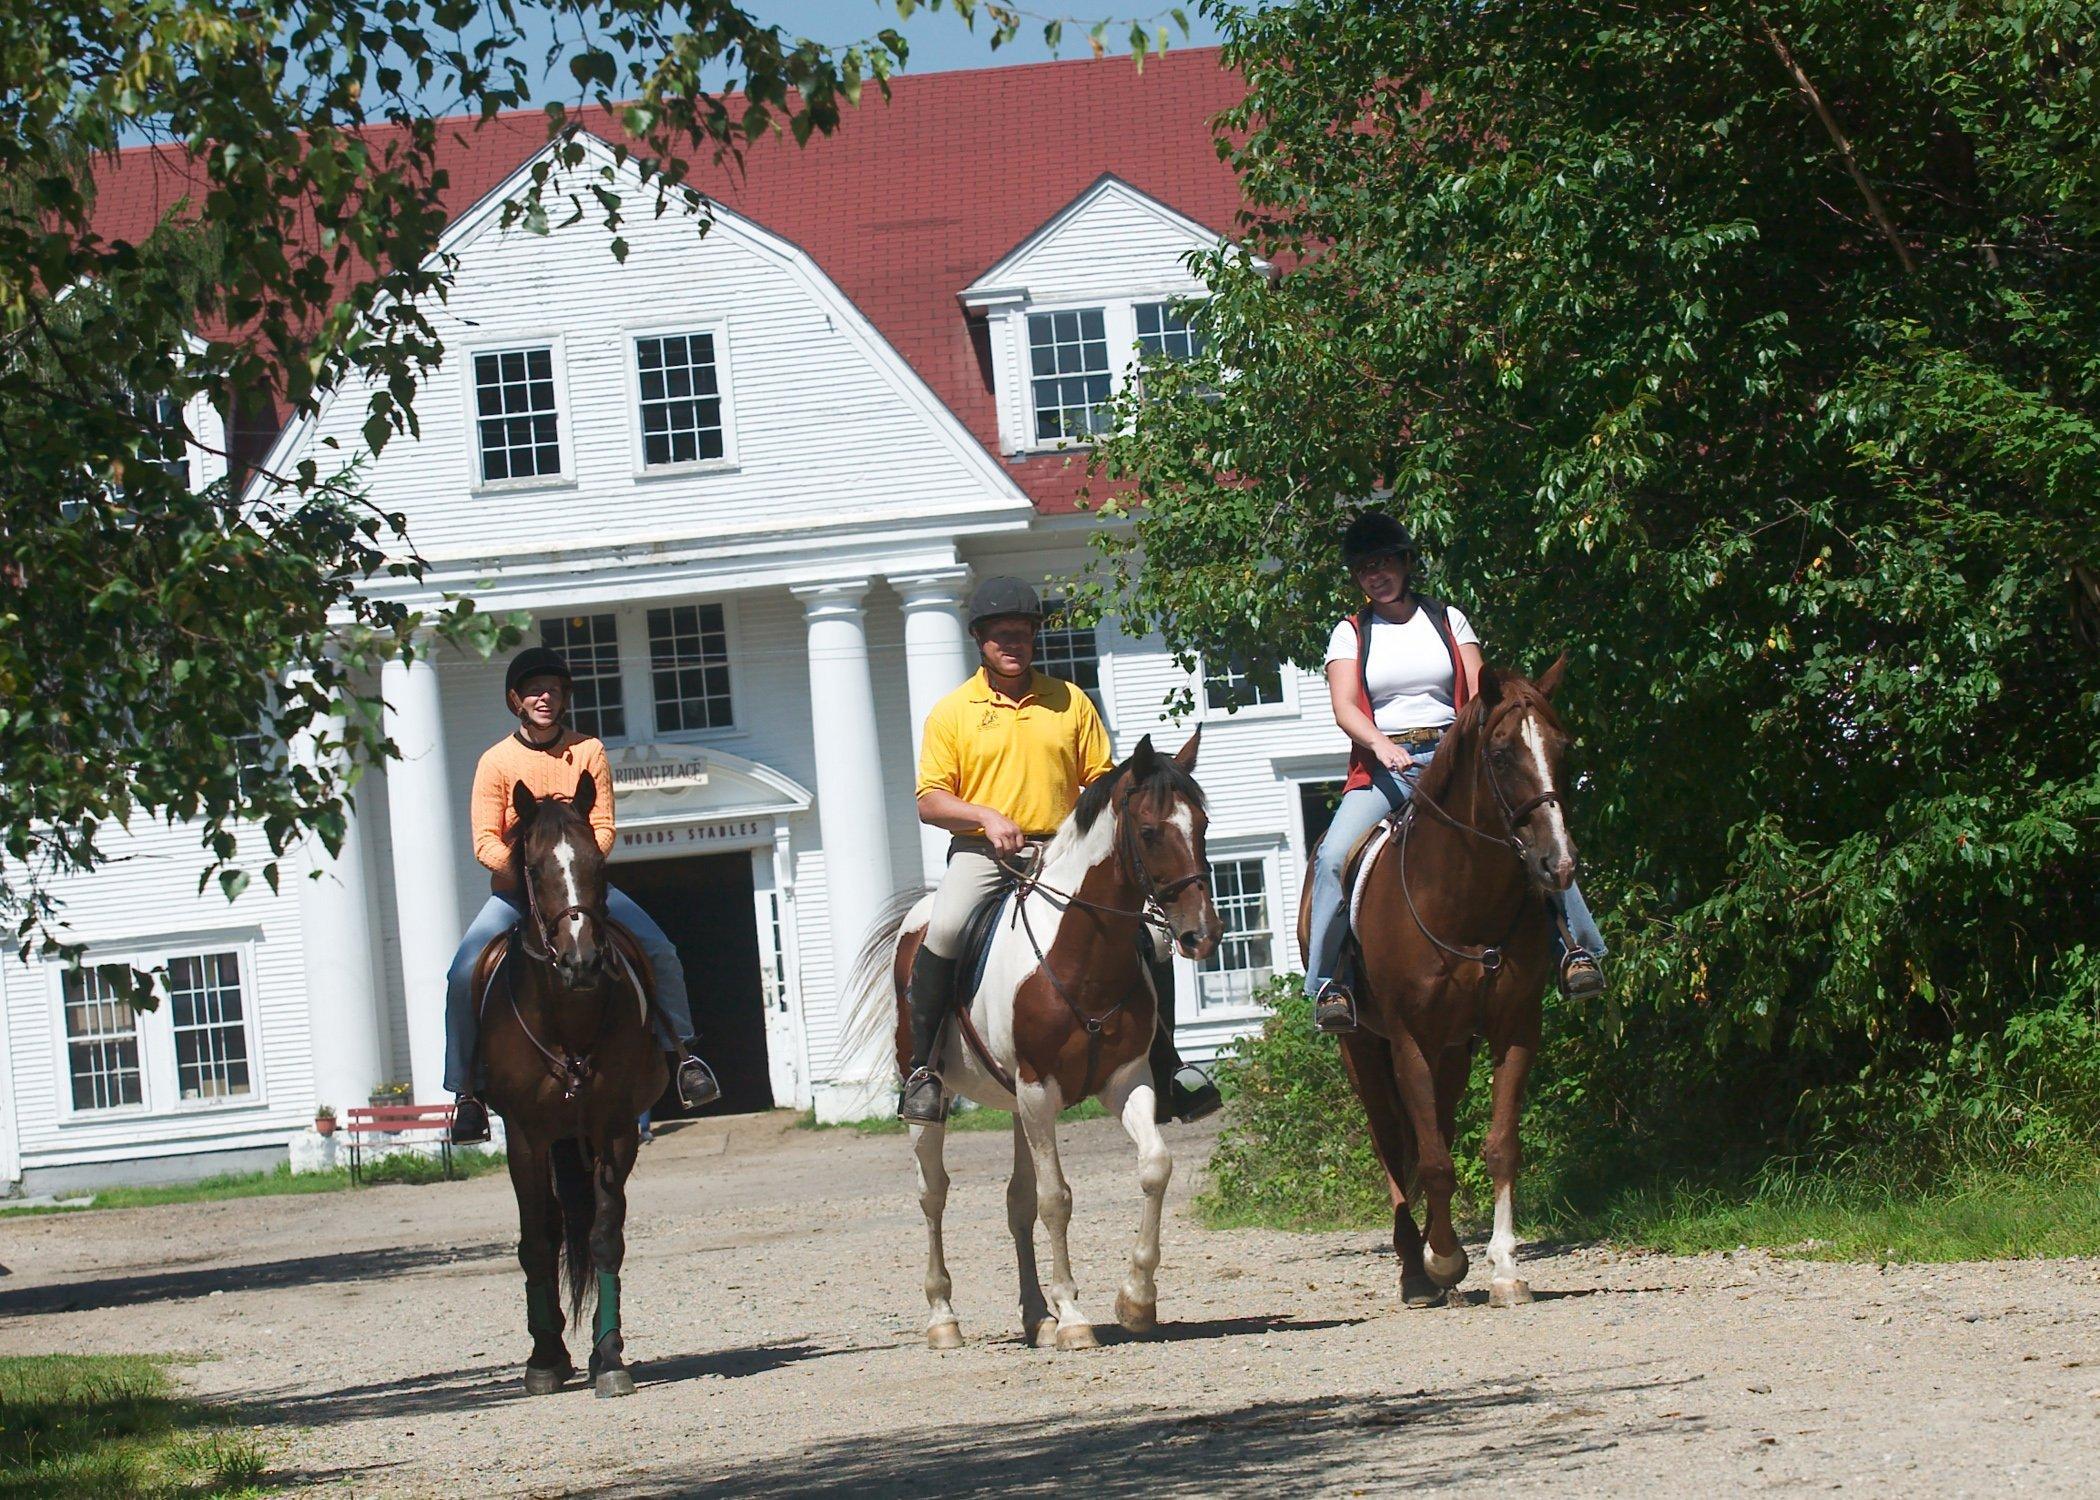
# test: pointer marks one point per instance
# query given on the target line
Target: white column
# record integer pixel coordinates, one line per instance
(424, 828)
(342, 954)
(937, 657)
(851, 816)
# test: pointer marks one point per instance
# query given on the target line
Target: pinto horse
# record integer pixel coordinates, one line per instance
(1064, 1012)
(1455, 943)
(572, 1063)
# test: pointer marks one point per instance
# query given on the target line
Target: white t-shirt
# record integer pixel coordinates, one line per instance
(1409, 671)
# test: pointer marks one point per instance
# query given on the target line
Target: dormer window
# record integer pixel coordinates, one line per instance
(164, 440)
(1168, 330)
(1069, 379)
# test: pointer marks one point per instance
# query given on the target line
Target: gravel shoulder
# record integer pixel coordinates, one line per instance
(774, 1317)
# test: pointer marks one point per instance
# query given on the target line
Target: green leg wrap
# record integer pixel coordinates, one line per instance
(542, 1309)
(608, 1304)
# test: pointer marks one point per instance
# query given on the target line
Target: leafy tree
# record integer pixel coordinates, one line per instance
(1751, 351)
(149, 629)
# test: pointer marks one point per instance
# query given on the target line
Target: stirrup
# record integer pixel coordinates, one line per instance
(1334, 1009)
(921, 1102)
(1189, 1096)
(696, 1083)
(1581, 976)
(470, 1121)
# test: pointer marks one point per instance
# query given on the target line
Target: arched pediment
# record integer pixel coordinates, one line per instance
(668, 782)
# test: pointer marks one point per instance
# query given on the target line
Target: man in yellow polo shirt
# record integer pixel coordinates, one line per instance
(1004, 758)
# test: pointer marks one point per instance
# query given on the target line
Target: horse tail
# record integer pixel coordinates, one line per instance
(870, 991)
(576, 1205)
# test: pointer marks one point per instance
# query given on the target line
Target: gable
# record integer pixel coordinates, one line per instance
(1111, 240)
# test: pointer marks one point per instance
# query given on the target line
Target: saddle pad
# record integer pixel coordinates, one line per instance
(977, 943)
(1357, 873)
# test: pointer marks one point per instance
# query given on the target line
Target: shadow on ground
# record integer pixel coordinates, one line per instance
(269, 1275)
(1473, 1435)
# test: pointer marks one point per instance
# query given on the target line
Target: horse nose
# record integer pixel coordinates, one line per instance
(1560, 869)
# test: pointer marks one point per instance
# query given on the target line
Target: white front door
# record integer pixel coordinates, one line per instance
(776, 970)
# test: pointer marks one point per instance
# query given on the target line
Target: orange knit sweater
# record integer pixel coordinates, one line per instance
(549, 772)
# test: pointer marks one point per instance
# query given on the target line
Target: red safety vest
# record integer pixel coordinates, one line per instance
(1360, 762)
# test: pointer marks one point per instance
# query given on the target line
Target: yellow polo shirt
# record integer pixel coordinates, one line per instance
(1027, 758)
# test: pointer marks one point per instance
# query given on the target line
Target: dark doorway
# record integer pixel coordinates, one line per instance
(704, 902)
(1316, 803)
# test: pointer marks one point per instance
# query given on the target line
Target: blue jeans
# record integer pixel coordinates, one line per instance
(1360, 812)
(497, 916)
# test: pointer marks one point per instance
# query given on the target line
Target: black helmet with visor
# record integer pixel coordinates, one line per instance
(536, 661)
(1374, 534)
(997, 597)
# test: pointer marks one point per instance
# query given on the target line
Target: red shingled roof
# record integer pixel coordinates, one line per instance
(909, 202)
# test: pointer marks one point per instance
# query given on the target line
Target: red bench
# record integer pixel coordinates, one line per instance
(396, 1121)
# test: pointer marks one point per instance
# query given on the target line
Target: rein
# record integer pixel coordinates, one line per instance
(1489, 958)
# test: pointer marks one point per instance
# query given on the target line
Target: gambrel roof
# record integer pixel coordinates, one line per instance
(909, 203)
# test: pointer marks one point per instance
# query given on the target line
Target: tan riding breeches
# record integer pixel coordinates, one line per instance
(971, 876)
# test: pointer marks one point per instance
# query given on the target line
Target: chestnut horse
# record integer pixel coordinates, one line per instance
(572, 1063)
(1455, 944)
(1065, 1011)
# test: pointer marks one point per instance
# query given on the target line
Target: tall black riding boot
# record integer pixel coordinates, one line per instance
(931, 992)
(1184, 1091)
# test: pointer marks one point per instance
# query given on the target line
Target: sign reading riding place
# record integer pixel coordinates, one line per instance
(656, 768)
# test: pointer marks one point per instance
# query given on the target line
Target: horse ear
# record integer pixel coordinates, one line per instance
(1185, 757)
(1490, 685)
(1549, 680)
(522, 801)
(1142, 759)
(586, 794)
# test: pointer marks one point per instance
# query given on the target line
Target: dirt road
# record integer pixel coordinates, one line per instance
(774, 1315)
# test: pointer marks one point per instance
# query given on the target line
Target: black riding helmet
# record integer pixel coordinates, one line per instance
(1003, 596)
(1376, 534)
(536, 661)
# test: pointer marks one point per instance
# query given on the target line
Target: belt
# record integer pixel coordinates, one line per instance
(1415, 739)
(977, 843)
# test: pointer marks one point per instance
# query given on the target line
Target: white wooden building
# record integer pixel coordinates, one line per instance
(743, 481)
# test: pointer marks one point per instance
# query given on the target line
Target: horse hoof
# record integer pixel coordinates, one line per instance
(1077, 1336)
(1420, 1291)
(614, 1383)
(1044, 1334)
(1509, 1293)
(1446, 1273)
(544, 1382)
(1136, 1317)
(944, 1336)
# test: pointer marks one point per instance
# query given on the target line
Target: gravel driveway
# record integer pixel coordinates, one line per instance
(774, 1318)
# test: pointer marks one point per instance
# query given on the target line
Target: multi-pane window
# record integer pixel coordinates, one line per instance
(1238, 682)
(102, 1043)
(163, 440)
(254, 760)
(211, 1034)
(1066, 650)
(689, 667)
(1069, 378)
(1242, 961)
(590, 644)
(1168, 330)
(515, 414)
(681, 404)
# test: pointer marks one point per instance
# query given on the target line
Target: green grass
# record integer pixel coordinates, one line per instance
(280, 1182)
(111, 1427)
(1974, 1214)
(965, 1119)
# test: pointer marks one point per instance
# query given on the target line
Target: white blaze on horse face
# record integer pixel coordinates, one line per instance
(572, 897)
(1557, 841)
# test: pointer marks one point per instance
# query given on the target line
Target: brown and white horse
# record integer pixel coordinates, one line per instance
(1065, 1012)
(572, 1063)
(1456, 944)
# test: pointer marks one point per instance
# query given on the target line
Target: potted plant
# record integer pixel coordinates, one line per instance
(390, 1093)
(324, 1119)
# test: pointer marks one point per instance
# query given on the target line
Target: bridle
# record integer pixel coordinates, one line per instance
(1513, 815)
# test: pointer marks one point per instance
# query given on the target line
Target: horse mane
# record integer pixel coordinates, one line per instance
(1165, 777)
(1471, 723)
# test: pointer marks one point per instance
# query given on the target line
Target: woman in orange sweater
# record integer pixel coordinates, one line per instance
(549, 758)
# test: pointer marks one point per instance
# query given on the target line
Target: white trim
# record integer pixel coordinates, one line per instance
(716, 329)
(470, 406)
(159, 1075)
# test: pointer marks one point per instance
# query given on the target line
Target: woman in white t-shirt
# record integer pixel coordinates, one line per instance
(1421, 664)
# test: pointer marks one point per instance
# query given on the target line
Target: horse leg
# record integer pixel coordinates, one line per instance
(1369, 1063)
(1504, 1154)
(609, 1373)
(539, 1252)
(1130, 1096)
(1036, 1108)
(942, 1331)
(1037, 1326)
(1445, 1259)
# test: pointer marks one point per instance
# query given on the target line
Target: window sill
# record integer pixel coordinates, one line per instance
(524, 486)
(654, 473)
(185, 1110)
(1255, 711)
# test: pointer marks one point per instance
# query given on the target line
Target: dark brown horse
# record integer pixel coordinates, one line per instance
(1065, 1012)
(571, 1065)
(1455, 943)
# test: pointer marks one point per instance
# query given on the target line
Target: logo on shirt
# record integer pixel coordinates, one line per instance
(991, 717)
